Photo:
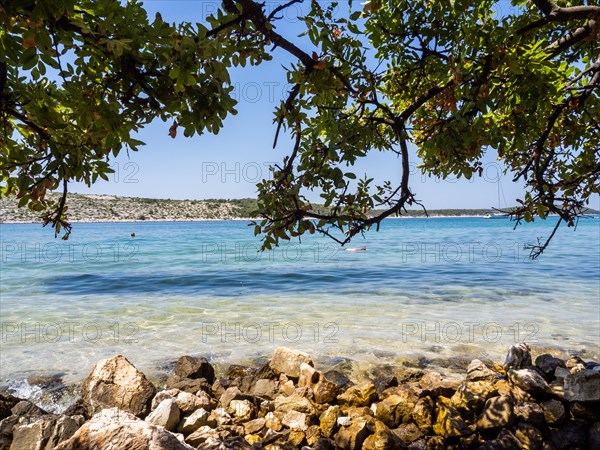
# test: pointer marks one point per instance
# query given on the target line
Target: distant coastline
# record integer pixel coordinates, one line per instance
(91, 208)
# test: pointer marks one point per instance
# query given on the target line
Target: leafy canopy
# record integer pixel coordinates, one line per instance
(449, 77)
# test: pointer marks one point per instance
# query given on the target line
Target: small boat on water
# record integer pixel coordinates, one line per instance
(496, 216)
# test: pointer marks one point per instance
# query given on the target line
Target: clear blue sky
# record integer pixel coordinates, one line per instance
(229, 165)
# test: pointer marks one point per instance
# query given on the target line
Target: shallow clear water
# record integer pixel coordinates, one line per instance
(425, 287)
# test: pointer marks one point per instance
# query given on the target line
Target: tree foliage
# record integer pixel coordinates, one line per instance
(451, 78)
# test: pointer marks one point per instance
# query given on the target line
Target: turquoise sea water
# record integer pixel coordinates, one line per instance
(425, 288)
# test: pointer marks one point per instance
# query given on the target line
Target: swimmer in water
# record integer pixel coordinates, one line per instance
(132, 235)
(357, 249)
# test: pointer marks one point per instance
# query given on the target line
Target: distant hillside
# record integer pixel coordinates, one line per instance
(107, 208)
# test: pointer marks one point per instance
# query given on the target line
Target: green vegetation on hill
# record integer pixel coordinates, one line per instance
(107, 208)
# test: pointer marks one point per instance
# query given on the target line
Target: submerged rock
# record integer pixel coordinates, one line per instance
(115, 382)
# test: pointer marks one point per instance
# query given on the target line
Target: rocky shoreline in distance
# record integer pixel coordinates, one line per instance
(544, 403)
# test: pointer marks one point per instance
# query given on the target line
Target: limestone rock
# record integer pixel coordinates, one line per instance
(530, 412)
(497, 413)
(561, 372)
(594, 436)
(328, 420)
(449, 423)
(324, 390)
(272, 422)
(115, 382)
(295, 420)
(313, 434)
(586, 411)
(7, 402)
(433, 443)
(431, 382)
(408, 433)
(573, 434)
(344, 421)
(296, 437)
(294, 403)
(478, 371)
(166, 414)
(201, 436)
(188, 384)
(529, 437)
(554, 411)
(112, 429)
(530, 381)
(396, 409)
(352, 437)
(237, 370)
(422, 414)
(265, 388)
(27, 408)
(471, 395)
(548, 364)
(195, 420)
(584, 386)
(220, 416)
(518, 357)
(506, 440)
(287, 361)
(381, 384)
(189, 402)
(254, 426)
(243, 410)
(231, 393)
(362, 394)
(382, 439)
(194, 368)
(43, 432)
(575, 364)
(252, 439)
(163, 395)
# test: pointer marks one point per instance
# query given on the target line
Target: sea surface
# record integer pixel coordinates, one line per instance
(425, 289)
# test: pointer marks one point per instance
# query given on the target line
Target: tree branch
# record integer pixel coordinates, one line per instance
(558, 14)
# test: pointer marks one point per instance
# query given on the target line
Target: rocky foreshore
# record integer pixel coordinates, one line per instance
(547, 403)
